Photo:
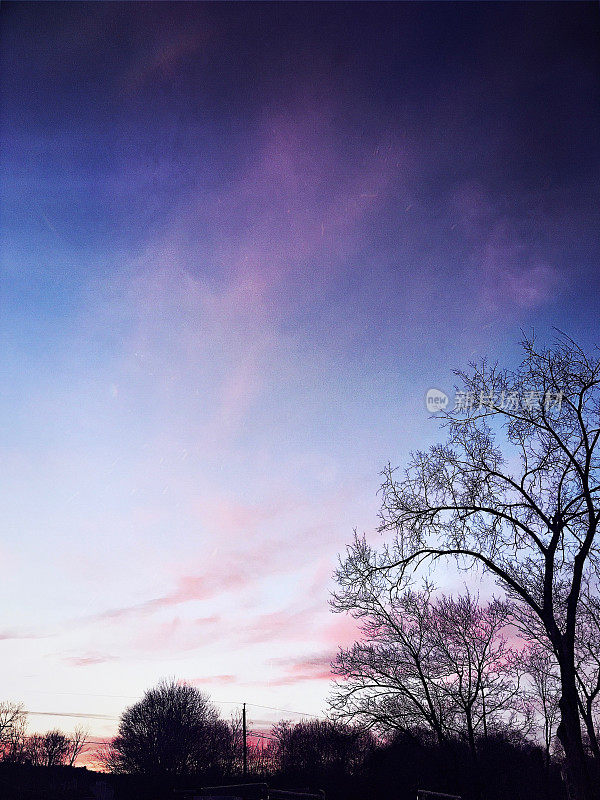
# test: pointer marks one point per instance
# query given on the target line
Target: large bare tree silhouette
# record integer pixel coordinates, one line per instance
(515, 489)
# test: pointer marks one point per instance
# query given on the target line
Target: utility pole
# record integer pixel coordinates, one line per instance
(245, 742)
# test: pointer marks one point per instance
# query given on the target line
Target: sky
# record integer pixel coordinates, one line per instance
(238, 244)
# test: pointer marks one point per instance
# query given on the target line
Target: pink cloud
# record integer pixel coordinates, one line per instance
(289, 218)
(177, 634)
(289, 624)
(89, 660)
(213, 580)
(304, 199)
(7, 635)
(229, 515)
(214, 680)
(238, 562)
(342, 631)
(311, 668)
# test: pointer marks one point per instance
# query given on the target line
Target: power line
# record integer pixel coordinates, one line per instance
(99, 716)
(75, 714)
(96, 715)
(286, 710)
(138, 697)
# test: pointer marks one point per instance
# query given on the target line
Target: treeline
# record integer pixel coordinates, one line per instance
(174, 738)
(51, 749)
(450, 666)
(352, 764)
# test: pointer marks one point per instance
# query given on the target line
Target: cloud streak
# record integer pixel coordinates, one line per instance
(299, 670)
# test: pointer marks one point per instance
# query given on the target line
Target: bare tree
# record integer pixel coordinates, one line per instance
(49, 749)
(587, 664)
(77, 744)
(540, 666)
(17, 749)
(12, 718)
(529, 516)
(55, 748)
(422, 662)
(35, 752)
(173, 730)
(233, 754)
(390, 679)
(480, 679)
(262, 757)
(543, 664)
(13, 726)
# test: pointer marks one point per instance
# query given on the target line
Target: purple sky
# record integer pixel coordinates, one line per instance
(238, 244)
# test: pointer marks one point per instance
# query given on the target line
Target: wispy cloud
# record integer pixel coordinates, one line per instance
(509, 265)
(89, 660)
(246, 551)
(8, 635)
(214, 680)
(316, 667)
(164, 57)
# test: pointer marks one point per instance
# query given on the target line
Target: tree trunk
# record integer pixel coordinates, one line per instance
(580, 785)
(441, 737)
(471, 734)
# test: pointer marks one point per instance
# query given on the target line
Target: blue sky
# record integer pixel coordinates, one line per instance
(239, 242)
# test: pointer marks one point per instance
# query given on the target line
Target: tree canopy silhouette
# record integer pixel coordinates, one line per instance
(440, 664)
(173, 730)
(316, 748)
